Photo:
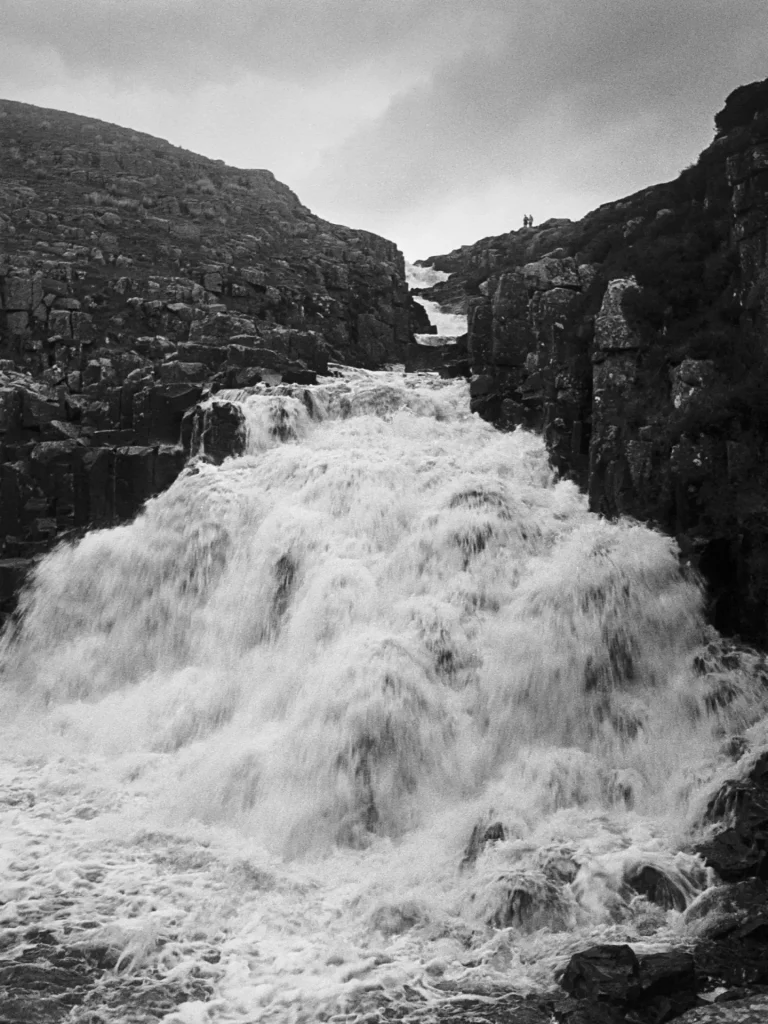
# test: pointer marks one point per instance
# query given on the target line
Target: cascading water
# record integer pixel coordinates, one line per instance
(449, 325)
(375, 713)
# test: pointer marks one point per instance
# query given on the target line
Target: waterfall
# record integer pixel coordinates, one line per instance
(449, 325)
(375, 708)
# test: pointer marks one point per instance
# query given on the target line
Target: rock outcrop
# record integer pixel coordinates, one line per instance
(134, 277)
(636, 340)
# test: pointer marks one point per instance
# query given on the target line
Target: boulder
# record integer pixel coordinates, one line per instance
(608, 973)
(653, 987)
(218, 431)
(447, 360)
(737, 911)
(738, 811)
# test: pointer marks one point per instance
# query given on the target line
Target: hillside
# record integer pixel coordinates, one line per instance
(134, 276)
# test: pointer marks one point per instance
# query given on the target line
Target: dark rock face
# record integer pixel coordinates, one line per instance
(738, 811)
(134, 277)
(447, 360)
(111, 235)
(655, 987)
(636, 341)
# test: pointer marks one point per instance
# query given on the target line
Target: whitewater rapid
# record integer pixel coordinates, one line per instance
(449, 325)
(376, 713)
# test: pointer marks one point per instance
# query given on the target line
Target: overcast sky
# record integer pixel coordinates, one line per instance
(433, 122)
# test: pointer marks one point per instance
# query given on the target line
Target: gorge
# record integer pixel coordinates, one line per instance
(327, 698)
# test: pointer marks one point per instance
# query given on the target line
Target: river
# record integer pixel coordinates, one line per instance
(247, 738)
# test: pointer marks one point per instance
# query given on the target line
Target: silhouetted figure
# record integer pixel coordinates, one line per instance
(530, 220)
(525, 221)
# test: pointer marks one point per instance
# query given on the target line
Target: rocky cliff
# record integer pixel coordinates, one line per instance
(133, 275)
(636, 339)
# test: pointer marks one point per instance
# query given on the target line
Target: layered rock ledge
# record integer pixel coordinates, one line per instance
(134, 276)
(636, 340)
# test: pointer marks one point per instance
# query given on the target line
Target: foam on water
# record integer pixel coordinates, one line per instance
(377, 712)
(423, 277)
(449, 325)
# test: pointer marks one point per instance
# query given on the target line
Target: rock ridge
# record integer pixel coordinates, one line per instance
(636, 341)
(135, 277)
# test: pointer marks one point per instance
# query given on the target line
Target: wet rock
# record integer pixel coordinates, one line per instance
(481, 836)
(732, 963)
(574, 1011)
(668, 985)
(606, 972)
(506, 1009)
(218, 431)
(738, 910)
(525, 901)
(447, 360)
(648, 881)
(739, 811)
(653, 987)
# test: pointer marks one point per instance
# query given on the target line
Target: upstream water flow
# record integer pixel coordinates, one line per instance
(375, 713)
(449, 325)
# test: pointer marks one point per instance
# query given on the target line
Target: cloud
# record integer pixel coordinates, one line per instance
(432, 121)
(596, 97)
(178, 44)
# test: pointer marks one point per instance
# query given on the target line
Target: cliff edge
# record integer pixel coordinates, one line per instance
(136, 276)
(636, 340)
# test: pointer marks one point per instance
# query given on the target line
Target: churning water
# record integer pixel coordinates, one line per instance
(449, 325)
(375, 714)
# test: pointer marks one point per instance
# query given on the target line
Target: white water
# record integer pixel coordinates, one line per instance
(449, 325)
(423, 277)
(260, 723)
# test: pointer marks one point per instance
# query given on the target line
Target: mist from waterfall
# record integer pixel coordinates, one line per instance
(377, 708)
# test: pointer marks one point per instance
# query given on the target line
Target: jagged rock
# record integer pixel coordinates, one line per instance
(572, 1011)
(732, 963)
(648, 881)
(654, 987)
(447, 360)
(217, 431)
(526, 902)
(613, 329)
(606, 972)
(610, 334)
(739, 810)
(143, 282)
(737, 910)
